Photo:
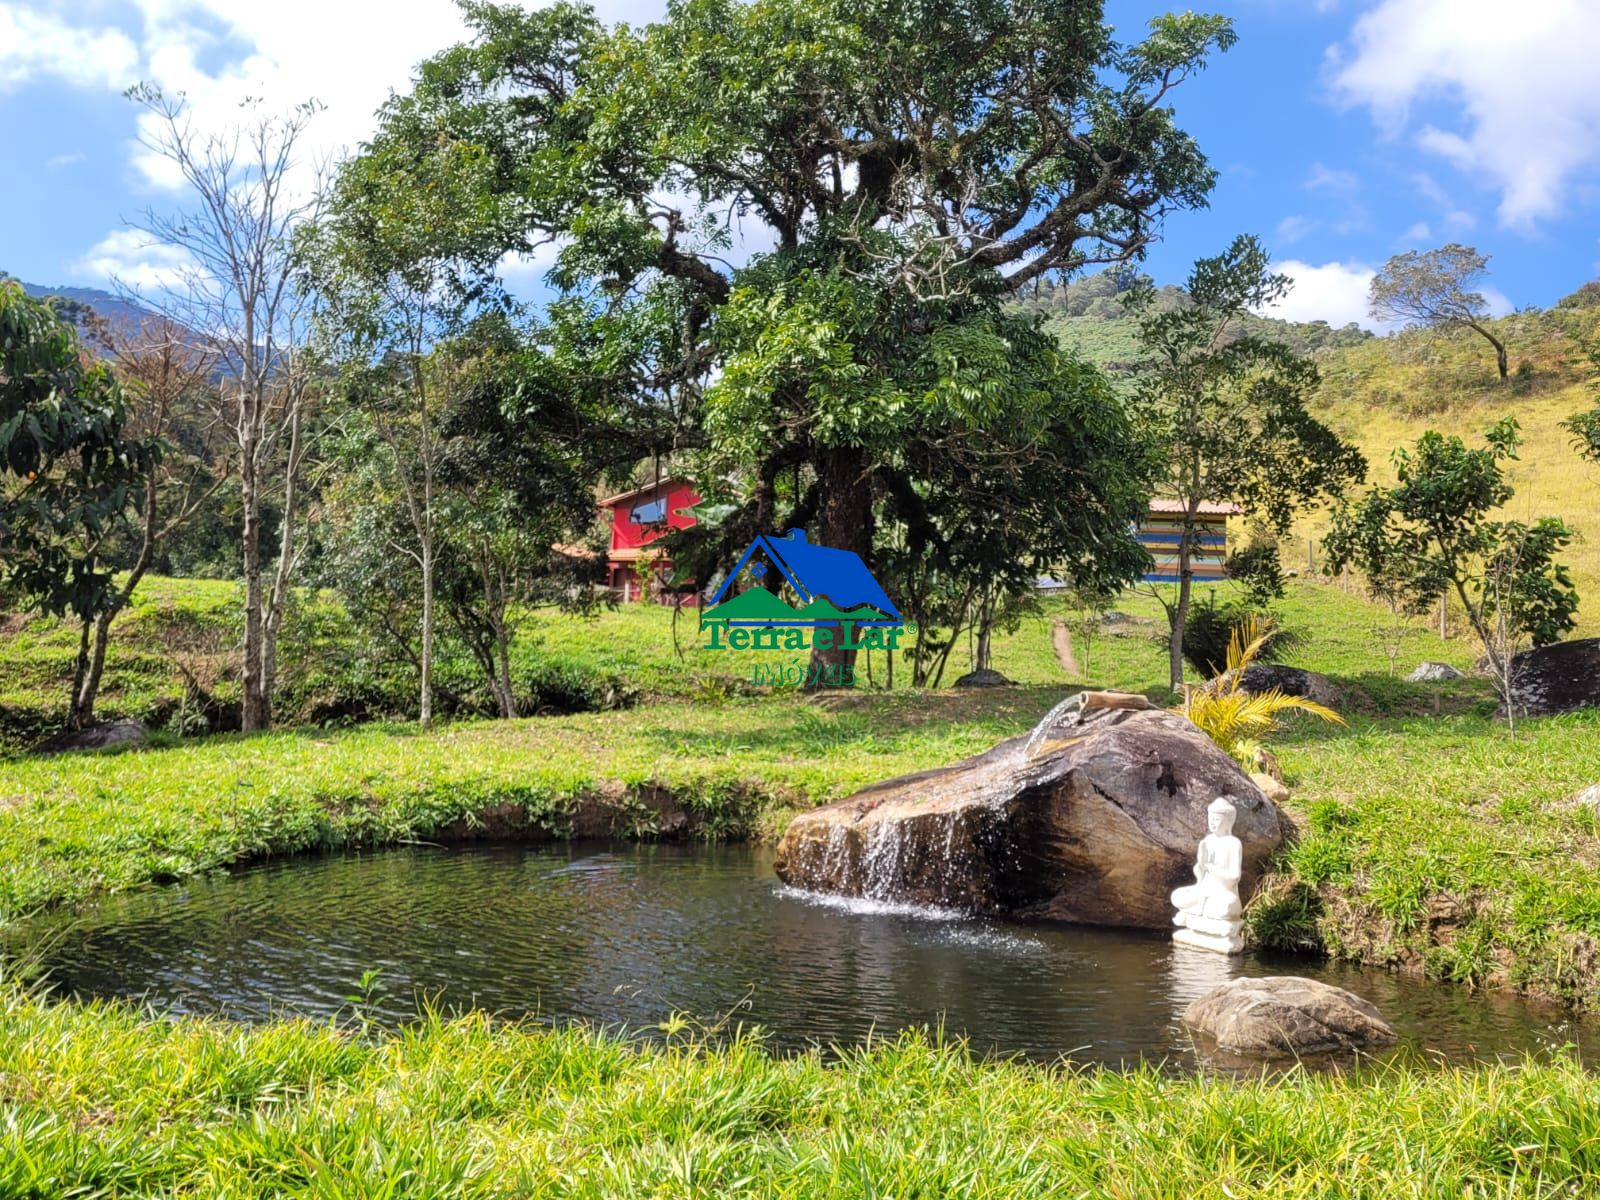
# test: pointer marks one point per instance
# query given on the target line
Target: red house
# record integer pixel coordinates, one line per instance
(638, 518)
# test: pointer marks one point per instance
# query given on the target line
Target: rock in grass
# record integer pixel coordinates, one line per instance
(96, 737)
(1093, 822)
(1291, 681)
(987, 677)
(1272, 789)
(1434, 672)
(1589, 797)
(1284, 1015)
(1557, 679)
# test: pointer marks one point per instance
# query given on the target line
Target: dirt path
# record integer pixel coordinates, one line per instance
(1061, 638)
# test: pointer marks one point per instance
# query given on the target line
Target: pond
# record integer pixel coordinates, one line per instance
(626, 936)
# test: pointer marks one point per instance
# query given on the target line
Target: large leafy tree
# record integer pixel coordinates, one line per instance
(69, 470)
(1438, 289)
(782, 225)
(1434, 532)
(1226, 410)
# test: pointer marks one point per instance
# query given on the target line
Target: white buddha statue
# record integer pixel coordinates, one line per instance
(1208, 909)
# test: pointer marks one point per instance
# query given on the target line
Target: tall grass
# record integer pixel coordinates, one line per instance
(98, 1101)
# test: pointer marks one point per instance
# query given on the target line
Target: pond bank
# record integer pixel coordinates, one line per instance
(1441, 846)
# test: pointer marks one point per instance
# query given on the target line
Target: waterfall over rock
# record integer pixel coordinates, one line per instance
(1093, 818)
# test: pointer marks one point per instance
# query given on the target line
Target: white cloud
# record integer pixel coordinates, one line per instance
(129, 257)
(1292, 229)
(57, 161)
(1331, 179)
(1336, 292)
(349, 55)
(1455, 220)
(1524, 83)
(36, 43)
(1333, 292)
(1419, 234)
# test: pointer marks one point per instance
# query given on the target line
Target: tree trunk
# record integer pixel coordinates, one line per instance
(1499, 351)
(278, 599)
(846, 524)
(1180, 614)
(254, 715)
(80, 671)
(426, 717)
(502, 646)
(985, 630)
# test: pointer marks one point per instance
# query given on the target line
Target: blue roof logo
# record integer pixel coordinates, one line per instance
(832, 585)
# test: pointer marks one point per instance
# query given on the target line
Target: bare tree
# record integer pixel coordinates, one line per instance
(1434, 288)
(164, 369)
(241, 286)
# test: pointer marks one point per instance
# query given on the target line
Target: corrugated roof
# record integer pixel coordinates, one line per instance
(1208, 508)
(670, 482)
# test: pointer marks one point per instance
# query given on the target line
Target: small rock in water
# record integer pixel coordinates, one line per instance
(1285, 1015)
(1434, 672)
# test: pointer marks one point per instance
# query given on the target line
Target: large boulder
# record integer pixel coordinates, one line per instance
(984, 677)
(105, 736)
(1291, 681)
(1557, 679)
(1093, 818)
(1286, 1015)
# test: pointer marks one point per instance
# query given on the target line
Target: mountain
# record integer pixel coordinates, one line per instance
(1087, 316)
(106, 304)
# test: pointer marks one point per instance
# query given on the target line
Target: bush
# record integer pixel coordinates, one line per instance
(1210, 628)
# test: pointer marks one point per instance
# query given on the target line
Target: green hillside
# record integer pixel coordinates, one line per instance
(1383, 392)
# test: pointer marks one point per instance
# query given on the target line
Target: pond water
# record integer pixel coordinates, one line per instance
(626, 936)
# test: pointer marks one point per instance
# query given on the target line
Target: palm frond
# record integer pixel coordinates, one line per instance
(1237, 720)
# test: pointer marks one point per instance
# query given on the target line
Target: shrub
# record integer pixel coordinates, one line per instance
(1210, 630)
(1237, 720)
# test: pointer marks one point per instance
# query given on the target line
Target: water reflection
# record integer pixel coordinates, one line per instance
(626, 937)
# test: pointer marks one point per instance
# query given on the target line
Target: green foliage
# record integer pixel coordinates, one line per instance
(1258, 568)
(1585, 426)
(898, 162)
(1238, 720)
(1432, 533)
(68, 471)
(1225, 411)
(1435, 288)
(1214, 625)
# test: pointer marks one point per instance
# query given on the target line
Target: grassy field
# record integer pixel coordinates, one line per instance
(1430, 839)
(97, 1101)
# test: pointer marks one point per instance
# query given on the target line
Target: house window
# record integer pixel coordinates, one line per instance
(652, 512)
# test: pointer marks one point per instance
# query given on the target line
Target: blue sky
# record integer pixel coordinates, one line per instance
(1344, 130)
